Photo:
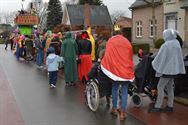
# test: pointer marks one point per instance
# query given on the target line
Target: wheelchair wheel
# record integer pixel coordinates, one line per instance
(137, 100)
(92, 95)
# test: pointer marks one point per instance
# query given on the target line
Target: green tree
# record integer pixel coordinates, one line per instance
(91, 2)
(54, 14)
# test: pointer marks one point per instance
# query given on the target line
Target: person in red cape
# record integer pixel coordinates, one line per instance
(85, 63)
(118, 65)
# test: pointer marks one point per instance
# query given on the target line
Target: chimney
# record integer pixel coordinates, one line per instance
(87, 15)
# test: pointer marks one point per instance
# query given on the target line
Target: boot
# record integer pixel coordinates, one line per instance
(122, 115)
(114, 111)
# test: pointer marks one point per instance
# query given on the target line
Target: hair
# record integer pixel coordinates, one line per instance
(85, 35)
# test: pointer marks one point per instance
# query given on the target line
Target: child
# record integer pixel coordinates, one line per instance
(52, 63)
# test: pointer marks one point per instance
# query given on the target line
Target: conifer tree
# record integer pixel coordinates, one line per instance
(54, 14)
(91, 2)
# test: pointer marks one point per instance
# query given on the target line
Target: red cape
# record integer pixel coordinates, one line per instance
(118, 58)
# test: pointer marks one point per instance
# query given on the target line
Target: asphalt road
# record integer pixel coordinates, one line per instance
(40, 105)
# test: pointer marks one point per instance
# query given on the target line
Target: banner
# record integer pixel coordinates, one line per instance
(26, 20)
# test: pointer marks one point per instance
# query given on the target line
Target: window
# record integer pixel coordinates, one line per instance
(171, 21)
(170, 1)
(139, 29)
(152, 28)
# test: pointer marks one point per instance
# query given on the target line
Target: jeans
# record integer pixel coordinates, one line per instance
(19, 52)
(52, 77)
(124, 94)
(39, 58)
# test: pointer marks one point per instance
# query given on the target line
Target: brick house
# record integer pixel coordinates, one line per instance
(175, 17)
(143, 23)
(78, 17)
(185, 6)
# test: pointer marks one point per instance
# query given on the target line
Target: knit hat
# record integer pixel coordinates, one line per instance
(51, 50)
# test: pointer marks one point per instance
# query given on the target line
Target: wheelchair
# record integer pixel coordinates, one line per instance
(98, 86)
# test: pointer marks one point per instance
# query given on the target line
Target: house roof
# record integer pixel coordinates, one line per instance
(143, 3)
(99, 15)
(124, 22)
(185, 6)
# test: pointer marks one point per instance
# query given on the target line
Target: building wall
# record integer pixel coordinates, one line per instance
(175, 7)
(186, 28)
(145, 15)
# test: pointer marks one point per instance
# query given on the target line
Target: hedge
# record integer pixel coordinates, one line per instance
(144, 46)
(1, 41)
(158, 43)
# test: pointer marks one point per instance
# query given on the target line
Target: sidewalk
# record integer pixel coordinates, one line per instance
(178, 117)
(9, 111)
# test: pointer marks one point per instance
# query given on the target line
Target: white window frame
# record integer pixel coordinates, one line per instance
(139, 29)
(151, 27)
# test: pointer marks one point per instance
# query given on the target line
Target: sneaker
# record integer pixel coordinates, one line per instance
(53, 85)
(67, 84)
(153, 109)
(168, 109)
(40, 67)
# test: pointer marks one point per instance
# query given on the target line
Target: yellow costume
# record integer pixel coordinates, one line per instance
(92, 43)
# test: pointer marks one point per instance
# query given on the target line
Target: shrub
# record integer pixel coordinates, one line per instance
(144, 46)
(158, 43)
(1, 41)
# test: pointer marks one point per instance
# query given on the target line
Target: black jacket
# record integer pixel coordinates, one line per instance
(84, 47)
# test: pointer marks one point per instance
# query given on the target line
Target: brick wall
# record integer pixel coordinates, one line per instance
(186, 28)
(145, 15)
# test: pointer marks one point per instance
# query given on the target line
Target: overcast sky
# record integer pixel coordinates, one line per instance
(113, 5)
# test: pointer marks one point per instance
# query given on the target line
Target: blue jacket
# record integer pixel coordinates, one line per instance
(52, 62)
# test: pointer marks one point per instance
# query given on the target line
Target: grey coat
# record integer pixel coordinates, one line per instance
(169, 60)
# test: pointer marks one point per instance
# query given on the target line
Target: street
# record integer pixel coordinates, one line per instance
(40, 105)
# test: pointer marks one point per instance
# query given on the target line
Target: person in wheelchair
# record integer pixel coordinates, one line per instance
(104, 83)
(118, 65)
(168, 63)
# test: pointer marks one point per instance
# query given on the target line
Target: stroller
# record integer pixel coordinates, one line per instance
(99, 85)
(146, 81)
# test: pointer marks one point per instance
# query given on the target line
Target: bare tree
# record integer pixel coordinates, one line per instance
(116, 15)
(9, 18)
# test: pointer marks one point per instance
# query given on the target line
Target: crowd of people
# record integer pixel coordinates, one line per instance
(78, 50)
(76, 53)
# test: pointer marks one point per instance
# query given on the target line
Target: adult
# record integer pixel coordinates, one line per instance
(56, 44)
(117, 64)
(6, 42)
(168, 63)
(20, 47)
(69, 52)
(84, 49)
(29, 47)
(40, 50)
